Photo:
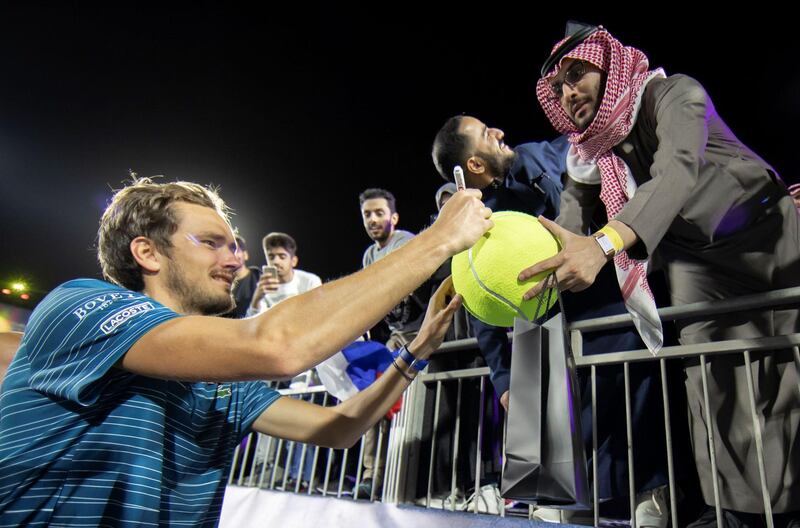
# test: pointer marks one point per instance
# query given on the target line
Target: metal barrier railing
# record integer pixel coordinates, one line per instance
(268, 463)
(402, 469)
(780, 298)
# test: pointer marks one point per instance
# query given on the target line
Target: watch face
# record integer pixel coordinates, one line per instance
(605, 244)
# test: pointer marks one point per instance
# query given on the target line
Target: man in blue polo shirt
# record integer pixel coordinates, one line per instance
(125, 401)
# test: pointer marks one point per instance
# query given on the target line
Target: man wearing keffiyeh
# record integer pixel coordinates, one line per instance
(681, 189)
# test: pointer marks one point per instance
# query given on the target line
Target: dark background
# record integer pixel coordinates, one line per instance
(293, 114)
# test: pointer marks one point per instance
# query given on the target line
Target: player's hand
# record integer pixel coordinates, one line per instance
(576, 265)
(441, 308)
(462, 221)
(504, 400)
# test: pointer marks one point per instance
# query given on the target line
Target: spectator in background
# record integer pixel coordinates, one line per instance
(379, 213)
(380, 217)
(246, 282)
(280, 250)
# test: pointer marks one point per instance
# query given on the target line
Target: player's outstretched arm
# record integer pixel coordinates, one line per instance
(305, 330)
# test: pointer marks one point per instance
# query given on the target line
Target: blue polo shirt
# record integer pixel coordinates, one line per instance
(85, 444)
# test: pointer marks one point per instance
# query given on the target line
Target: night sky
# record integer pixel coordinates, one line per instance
(293, 114)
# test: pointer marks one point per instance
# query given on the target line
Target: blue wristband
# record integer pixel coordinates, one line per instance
(414, 363)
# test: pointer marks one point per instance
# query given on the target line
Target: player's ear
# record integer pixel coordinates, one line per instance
(146, 254)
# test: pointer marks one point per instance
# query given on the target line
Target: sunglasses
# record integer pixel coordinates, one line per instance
(573, 76)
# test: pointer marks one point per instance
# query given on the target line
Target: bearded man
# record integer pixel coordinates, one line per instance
(681, 189)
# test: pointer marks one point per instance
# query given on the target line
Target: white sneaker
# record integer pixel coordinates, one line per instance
(445, 501)
(486, 500)
(550, 515)
(651, 508)
(554, 515)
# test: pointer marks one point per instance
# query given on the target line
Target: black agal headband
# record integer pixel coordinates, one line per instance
(576, 32)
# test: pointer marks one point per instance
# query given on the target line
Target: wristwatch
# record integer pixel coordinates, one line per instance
(605, 244)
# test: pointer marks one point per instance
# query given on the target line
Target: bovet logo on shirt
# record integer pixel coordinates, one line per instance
(101, 303)
(121, 316)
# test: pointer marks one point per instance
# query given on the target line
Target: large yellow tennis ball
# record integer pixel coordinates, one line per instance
(486, 274)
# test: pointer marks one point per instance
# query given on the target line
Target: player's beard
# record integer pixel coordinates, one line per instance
(194, 300)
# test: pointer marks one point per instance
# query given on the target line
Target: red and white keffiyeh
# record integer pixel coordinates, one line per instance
(591, 160)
